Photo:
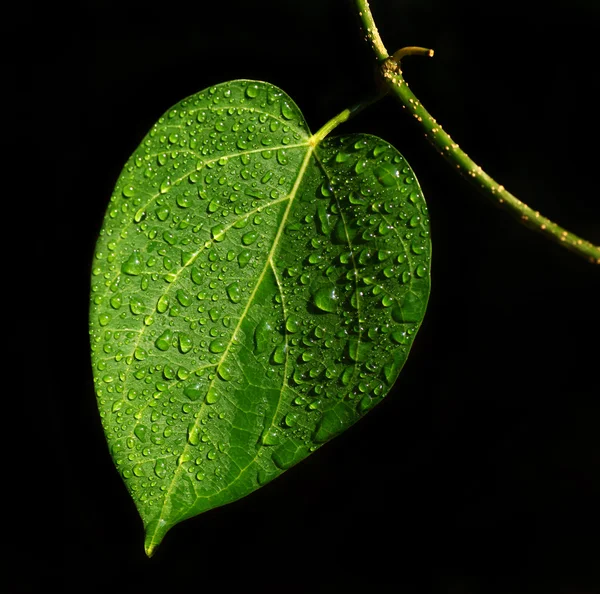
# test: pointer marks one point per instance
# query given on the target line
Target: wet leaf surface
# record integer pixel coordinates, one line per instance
(254, 294)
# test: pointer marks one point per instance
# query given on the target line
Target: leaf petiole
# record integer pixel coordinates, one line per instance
(344, 116)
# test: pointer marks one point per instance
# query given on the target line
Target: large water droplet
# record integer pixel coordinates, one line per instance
(225, 372)
(183, 298)
(218, 232)
(249, 238)
(212, 395)
(291, 419)
(217, 346)
(141, 432)
(279, 354)
(292, 324)
(185, 343)
(162, 304)
(193, 391)
(234, 292)
(133, 265)
(326, 299)
(286, 110)
(244, 257)
(163, 342)
(160, 468)
(262, 336)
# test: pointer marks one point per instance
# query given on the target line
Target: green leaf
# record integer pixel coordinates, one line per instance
(255, 291)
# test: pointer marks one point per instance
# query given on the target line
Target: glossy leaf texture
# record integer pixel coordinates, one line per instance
(254, 293)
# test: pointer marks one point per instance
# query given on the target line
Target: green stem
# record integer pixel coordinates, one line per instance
(342, 117)
(370, 29)
(442, 141)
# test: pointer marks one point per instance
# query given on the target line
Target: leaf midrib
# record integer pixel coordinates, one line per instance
(268, 262)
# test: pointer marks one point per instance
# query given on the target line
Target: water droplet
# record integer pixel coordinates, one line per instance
(291, 419)
(218, 232)
(183, 201)
(212, 395)
(279, 354)
(193, 391)
(361, 165)
(163, 304)
(225, 372)
(414, 220)
(234, 292)
(244, 257)
(400, 337)
(387, 300)
(282, 157)
(252, 91)
(160, 468)
(185, 343)
(141, 432)
(249, 237)
(136, 306)
(262, 336)
(417, 248)
(217, 346)
(347, 375)
(165, 185)
(133, 265)
(183, 298)
(326, 190)
(326, 299)
(292, 324)
(163, 342)
(286, 110)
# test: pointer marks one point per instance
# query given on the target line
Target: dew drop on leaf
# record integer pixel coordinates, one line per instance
(193, 391)
(133, 265)
(234, 292)
(326, 299)
(163, 342)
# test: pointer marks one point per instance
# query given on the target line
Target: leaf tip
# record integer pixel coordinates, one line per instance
(149, 550)
(155, 532)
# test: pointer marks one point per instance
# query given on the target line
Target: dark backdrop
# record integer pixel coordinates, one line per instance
(480, 472)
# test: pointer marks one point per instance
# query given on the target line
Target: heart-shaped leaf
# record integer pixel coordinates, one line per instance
(255, 291)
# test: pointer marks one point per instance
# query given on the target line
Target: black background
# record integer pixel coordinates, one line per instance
(480, 472)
